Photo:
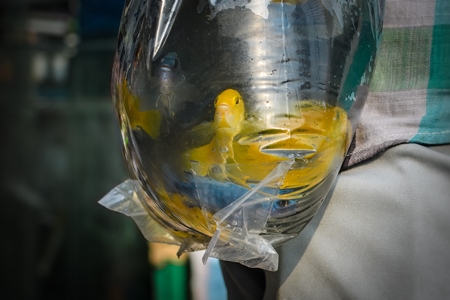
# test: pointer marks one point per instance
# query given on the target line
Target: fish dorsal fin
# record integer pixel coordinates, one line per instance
(200, 135)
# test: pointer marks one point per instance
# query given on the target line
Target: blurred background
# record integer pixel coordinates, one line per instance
(60, 154)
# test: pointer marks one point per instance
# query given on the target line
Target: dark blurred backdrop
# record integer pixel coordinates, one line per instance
(60, 153)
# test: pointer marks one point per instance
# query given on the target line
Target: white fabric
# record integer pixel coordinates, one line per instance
(383, 234)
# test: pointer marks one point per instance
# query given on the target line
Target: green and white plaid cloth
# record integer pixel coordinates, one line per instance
(409, 99)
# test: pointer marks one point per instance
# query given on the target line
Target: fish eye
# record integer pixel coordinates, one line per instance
(237, 101)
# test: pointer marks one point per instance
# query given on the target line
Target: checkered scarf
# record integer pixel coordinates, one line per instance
(409, 98)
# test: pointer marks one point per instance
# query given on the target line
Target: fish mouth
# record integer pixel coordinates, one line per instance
(223, 107)
(224, 117)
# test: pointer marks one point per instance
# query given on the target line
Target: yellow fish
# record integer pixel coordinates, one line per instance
(228, 117)
(149, 121)
(245, 151)
(191, 216)
(227, 120)
(316, 139)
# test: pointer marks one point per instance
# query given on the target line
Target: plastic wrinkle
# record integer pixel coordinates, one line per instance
(254, 250)
(123, 199)
(168, 12)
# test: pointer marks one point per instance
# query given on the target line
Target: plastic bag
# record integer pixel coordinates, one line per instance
(236, 116)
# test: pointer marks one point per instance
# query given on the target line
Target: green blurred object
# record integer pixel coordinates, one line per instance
(170, 282)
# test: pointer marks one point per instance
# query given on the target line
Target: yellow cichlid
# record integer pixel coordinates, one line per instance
(149, 121)
(246, 151)
(319, 133)
(228, 117)
(190, 216)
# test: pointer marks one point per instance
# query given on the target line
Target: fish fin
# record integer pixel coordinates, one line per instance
(168, 178)
(150, 122)
(200, 135)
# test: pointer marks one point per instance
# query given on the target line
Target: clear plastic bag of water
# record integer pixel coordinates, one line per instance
(236, 116)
